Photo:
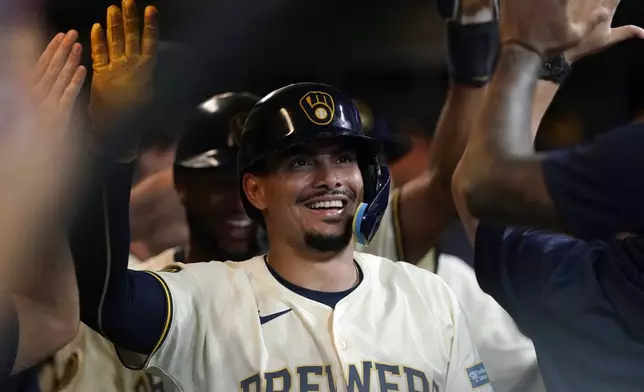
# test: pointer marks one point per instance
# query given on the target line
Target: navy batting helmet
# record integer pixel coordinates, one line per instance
(212, 135)
(301, 113)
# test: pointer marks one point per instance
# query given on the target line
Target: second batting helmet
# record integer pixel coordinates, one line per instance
(394, 145)
(301, 113)
(212, 135)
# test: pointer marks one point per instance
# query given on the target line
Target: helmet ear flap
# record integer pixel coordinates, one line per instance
(371, 178)
(368, 181)
(366, 221)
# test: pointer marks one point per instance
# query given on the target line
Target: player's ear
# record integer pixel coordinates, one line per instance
(255, 191)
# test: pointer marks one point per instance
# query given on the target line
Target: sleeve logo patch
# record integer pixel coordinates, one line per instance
(478, 375)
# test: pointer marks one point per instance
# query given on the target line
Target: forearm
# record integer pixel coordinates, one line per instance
(452, 131)
(45, 301)
(45, 326)
(544, 94)
(426, 204)
(500, 174)
(30, 222)
(127, 307)
(502, 131)
(40, 282)
(430, 196)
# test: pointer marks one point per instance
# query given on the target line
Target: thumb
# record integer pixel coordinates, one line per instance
(623, 33)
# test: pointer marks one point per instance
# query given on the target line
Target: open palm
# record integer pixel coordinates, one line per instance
(124, 64)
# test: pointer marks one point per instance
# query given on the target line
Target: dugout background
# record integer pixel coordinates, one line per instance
(391, 52)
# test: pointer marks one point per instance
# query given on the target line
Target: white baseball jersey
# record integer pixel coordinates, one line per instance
(132, 260)
(89, 363)
(509, 356)
(234, 326)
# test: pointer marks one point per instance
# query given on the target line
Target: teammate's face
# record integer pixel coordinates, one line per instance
(215, 211)
(312, 194)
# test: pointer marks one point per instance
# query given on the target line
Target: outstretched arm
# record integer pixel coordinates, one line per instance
(129, 308)
(425, 205)
(39, 300)
(501, 176)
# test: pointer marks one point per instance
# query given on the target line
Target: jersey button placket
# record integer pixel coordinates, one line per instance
(340, 336)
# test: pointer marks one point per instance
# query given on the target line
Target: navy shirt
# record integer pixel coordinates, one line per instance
(26, 381)
(598, 188)
(9, 334)
(580, 302)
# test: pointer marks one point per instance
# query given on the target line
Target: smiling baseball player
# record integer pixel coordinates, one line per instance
(312, 314)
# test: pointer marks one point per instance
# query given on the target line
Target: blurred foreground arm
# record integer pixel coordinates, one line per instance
(127, 307)
(500, 176)
(40, 299)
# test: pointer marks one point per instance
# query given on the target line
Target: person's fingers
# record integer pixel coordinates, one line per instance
(598, 17)
(132, 33)
(150, 32)
(66, 102)
(46, 56)
(115, 34)
(41, 90)
(100, 57)
(620, 34)
(66, 73)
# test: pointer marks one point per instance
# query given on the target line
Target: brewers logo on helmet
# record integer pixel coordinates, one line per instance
(319, 107)
(302, 113)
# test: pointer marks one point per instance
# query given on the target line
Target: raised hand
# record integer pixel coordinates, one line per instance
(58, 79)
(124, 64)
(550, 27)
(36, 113)
(35, 109)
(603, 36)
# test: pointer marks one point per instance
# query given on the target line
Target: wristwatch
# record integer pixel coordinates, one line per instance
(555, 69)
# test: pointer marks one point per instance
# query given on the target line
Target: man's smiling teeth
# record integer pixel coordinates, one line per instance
(326, 204)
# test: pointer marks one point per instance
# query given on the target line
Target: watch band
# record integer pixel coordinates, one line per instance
(555, 70)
